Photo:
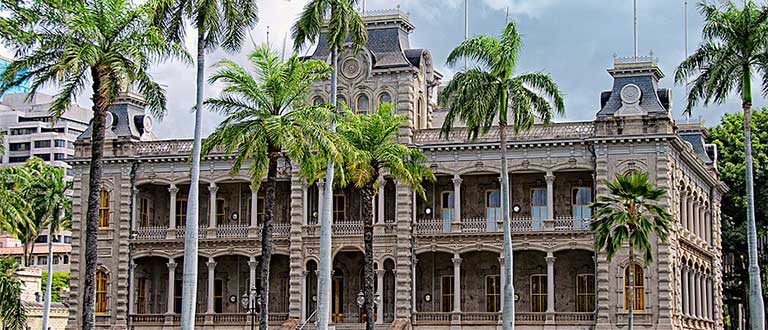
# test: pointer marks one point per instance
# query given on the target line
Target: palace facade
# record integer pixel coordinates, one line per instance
(438, 260)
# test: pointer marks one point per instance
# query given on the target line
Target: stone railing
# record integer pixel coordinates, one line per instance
(168, 148)
(574, 318)
(150, 233)
(517, 225)
(232, 231)
(480, 317)
(432, 318)
(311, 230)
(202, 232)
(430, 226)
(555, 131)
(390, 227)
(232, 318)
(200, 318)
(530, 318)
(569, 223)
(348, 228)
(281, 230)
(148, 318)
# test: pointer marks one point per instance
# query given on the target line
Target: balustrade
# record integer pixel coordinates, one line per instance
(480, 317)
(232, 231)
(348, 228)
(150, 233)
(518, 224)
(432, 318)
(148, 318)
(218, 318)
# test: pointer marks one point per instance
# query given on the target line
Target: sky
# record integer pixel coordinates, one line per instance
(574, 41)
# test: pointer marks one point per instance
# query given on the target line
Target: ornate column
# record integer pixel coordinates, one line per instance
(252, 274)
(708, 226)
(689, 214)
(550, 178)
(304, 296)
(686, 301)
(697, 287)
(380, 201)
(380, 290)
(254, 208)
(212, 209)
(457, 198)
(709, 298)
(132, 294)
(211, 277)
(304, 202)
(135, 202)
(320, 198)
(173, 190)
(456, 283)
(691, 294)
(550, 285)
(696, 223)
(413, 286)
(171, 284)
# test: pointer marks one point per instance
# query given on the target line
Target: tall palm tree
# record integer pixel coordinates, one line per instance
(27, 180)
(107, 43)
(14, 206)
(344, 25)
(266, 118)
(219, 23)
(51, 192)
(13, 315)
(371, 137)
(734, 50)
(491, 90)
(630, 213)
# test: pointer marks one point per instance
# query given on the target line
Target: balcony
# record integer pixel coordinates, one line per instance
(491, 226)
(521, 318)
(224, 231)
(228, 319)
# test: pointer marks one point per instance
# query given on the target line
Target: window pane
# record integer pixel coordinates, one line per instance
(384, 98)
(363, 104)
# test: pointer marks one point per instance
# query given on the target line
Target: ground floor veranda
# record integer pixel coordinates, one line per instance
(452, 289)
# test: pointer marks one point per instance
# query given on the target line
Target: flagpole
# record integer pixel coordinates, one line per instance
(635, 25)
(466, 30)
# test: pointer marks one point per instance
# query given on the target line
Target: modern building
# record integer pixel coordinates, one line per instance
(438, 260)
(23, 88)
(29, 129)
(12, 247)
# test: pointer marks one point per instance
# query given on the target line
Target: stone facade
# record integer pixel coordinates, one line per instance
(438, 260)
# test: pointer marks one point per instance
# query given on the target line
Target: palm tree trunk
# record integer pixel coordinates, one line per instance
(324, 267)
(756, 311)
(508, 315)
(49, 277)
(189, 277)
(266, 238)
(100, 104)
(367, 199)
(631, 307)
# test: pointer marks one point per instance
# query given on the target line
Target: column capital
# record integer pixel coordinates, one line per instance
(456, 261)
(380, 272)
(173, 190)
(252, 264)
(550, 259)
(320, 184)
(550, 177)
(172, 265)
(501, 260)
(304, 183)
(211, 265)
(457, 180)
(213, 188)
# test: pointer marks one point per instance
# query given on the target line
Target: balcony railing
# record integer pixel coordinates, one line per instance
(555, 131)
(202, 232)
(432, 318)
(151, 233)
(232, 231)
(480, 317)
(200, 318)
(348, 228)
(484, 225)
(148, 318)
(521, 318)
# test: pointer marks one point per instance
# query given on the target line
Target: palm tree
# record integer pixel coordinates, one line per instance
(480, 94)
(109, 43)
(26, 186)
(371, 136)
(14, 215)
(630, 213)
(13, 315)
(219, 23)
(51, 194)
(265, 118)
(734, 49)
(343, 23)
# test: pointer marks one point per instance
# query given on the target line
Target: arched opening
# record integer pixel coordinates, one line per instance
(384, 97)
(634, 271)
(345, 287)
(363, 104)
(317, 100)
(311, 285)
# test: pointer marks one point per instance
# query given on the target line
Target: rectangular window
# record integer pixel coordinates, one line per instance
(144, 212)
(42, 260)
(41, 239)
(447, 207)
(59, 156)
(639, 289)
(539, 293)
(101, 292)
(103, 209)
(339, 206)
(43, 144)
(493, 209)
(585, 293)
(55, 260)
(220, 211)
(18, 159)
(538, 207)
(59, 143)
(67, 239)
(181, 212)
(23, 131)
(446, 293)
(218, 296)
(18, 146)
(492, 293)
(141, 299)
(45, 157)
(66, 259)
(581, 199)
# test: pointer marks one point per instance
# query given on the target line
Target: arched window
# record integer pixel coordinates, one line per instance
(103, 208)
(317, 100)
(638, 287)
(384, 98)
(363, 104)
(101, 292)
(340, 99)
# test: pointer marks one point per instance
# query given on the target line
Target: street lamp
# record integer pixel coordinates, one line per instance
(249, 305)
(361, 299)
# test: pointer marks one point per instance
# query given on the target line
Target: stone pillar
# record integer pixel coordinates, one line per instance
(457, 198)
(171, 284)
(708, 226)
(252, 274)
(709, 298)
(702, 222)
(456, 283)
(380, 201)
(697, 287)
(135, 214)
(413, 285)
(689, 214)
(696, 222)
(550, 284)
(320, 199)
(212, 209)
(132, 294)
(173, 190)
(380, 290)
(304, 296)
(502, 282)
(550, 178)
(686, 301)
(254, 208)
(304, 202)
(211, 276)
(691, 293)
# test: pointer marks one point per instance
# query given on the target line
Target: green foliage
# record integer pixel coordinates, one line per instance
(630, 213)
(60, 280)
(480, 94)
(729, 138)
(266, 112)
(344, 22)
(13, 315)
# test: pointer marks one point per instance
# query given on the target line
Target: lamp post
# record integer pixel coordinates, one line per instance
(361, 300)
(249, 302)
